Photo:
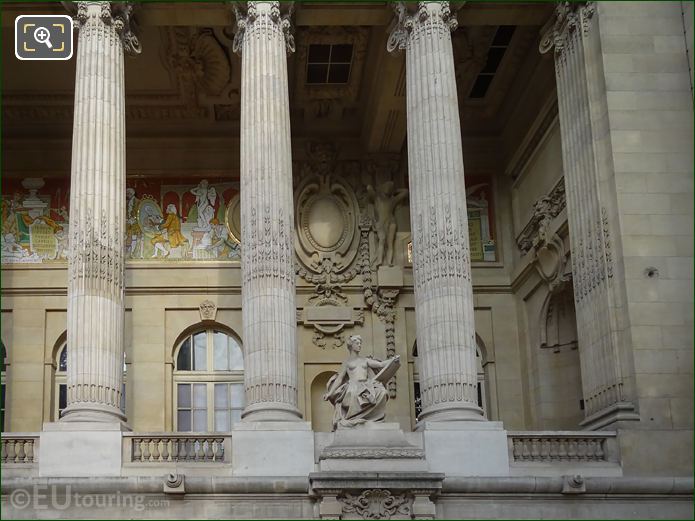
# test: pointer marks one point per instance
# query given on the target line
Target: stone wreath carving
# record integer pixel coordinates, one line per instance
(377, 503)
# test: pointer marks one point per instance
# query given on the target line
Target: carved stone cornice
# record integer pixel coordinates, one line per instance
(119, 15)
(265, 13)
(559, 29)
(408, 21)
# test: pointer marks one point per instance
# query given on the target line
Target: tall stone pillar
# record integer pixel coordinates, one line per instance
(592, 214)
(267, 214)
(439, 219)
(97, 215)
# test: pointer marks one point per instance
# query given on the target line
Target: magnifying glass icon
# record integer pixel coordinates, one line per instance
(43, 35)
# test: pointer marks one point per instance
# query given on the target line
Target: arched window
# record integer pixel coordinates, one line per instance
(3, 383)
(208, 382)
(61, 382)
(482, 397)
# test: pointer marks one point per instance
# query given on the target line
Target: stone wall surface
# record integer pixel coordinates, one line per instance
(649, 101)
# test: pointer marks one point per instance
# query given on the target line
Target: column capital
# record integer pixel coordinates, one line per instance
(119, 15)
(409, 15)
(277, 13)
(564, 21)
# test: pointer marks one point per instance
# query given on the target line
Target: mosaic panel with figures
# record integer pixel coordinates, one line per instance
(165, 220)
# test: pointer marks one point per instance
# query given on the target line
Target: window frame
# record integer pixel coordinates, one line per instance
(329, 63)
(210, 377)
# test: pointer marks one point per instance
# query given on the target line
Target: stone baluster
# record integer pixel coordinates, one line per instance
(267, 214)
(97, 215)
(439, 219)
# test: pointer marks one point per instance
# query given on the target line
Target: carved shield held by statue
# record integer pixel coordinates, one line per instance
(389, 370)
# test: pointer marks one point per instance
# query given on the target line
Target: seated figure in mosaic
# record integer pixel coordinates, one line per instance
(357, 391)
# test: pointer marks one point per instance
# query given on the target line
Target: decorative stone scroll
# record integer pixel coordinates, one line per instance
(262, 16)
(377, 503)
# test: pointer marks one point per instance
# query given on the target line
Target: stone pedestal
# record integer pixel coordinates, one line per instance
(466, 448)
(376, 447)
(81, 449)
(272, 449)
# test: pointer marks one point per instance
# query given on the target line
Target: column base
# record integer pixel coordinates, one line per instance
(93, 412)
(452, 411)
(81, 449)
(465, 448)
(269, 448)
(271, 412)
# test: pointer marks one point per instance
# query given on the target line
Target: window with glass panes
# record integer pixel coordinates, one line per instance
(208, 382)
(328, 64)
(61, 383)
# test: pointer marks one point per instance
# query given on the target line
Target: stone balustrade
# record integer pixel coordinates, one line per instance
(177, 448)
(562, 447)
(19, 448)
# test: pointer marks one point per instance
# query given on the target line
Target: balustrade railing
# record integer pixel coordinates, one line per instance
(179, 447)
(561, 447)
(19, 448)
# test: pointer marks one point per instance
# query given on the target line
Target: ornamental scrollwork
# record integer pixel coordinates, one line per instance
(406, 22)
(561, 28)
(377, 503)
(118, 15)
(272, 18)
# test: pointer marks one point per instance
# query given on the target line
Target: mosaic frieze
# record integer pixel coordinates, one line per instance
(165, 220)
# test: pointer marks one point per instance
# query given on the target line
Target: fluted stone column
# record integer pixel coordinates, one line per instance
(97, 215)
(267, 215)
(439, 219)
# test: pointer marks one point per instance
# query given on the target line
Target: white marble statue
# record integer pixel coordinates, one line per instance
(385, 200)
(357, 391)
(205, 200)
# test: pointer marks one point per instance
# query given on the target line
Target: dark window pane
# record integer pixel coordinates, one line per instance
(482, 83)
(494, 57)
(480, 394)
(63, 362)
(316, 73)
(319, 53)
(3, 355)
(183, 361)
(341, 54)
(418, 399)
(339, 74)
(503, 35)
(62, 397)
